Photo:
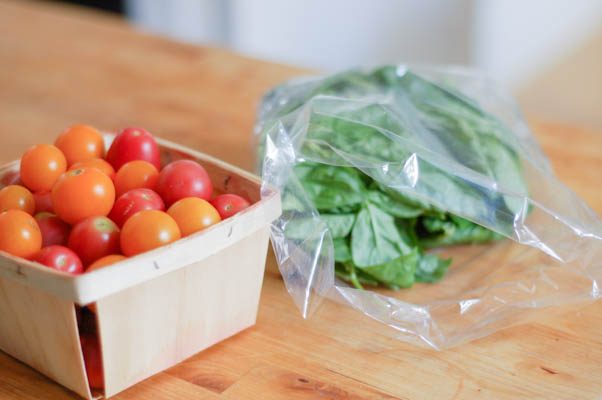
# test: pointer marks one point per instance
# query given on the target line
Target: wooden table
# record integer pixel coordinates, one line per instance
(59, 66)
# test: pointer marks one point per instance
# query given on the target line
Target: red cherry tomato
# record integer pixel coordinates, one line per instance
(54, 230)
(78, 315)
(134, 144)
(134, 201)
(88, 324)
(92, 360)
(229, 204)
(11, 178)
(93, 238)
(183, 178)
(60, 258)
(43, 201)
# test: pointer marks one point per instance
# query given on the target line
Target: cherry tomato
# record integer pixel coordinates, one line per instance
(81, 143)
(92, 360)
(16, 197)
(41, 166)
(82, 193)
(147, 230)
(134, 144)
(229, 204)
(193, 214)
(93, 238)
(11, 178)
(88, 324)
(19, 234)
(183, 178)
(133, 201)
(43, 201)
(60, 258)
(97, 163)
(78, 315)
(136, 174)
(54, 230)
(105, 261)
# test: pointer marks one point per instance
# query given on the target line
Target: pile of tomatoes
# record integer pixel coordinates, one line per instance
(76, 209)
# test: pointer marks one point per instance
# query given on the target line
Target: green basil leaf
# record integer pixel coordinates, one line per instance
(290, 202)
(400, 197)
(397, 273)
(431, 268)
(394, 206)
(453, 231)
(356, 277)
(301, 228)
(329, 186)
(375, 238)
(339, 224)
(342, 251)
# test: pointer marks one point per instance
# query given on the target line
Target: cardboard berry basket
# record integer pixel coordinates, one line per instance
(153, 310)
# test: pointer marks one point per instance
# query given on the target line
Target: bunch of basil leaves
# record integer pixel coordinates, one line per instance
(356, 135)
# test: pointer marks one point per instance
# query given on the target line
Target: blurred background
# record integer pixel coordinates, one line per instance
(547, 52)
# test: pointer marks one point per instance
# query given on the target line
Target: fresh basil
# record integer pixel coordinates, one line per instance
(374, 151)
(397, 273)
(339, 225)
(431, 268)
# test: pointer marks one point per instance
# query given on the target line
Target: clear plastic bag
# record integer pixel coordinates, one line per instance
(447, 138)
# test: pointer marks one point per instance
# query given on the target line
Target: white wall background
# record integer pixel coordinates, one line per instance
(510, 39)
(514, 39)
(338, 34)
(199, 21)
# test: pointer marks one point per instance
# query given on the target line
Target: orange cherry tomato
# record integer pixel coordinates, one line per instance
(101, 263)
(82, 193)
(81, 143)
(97, 163)
(148, 230)
(105, 261)
(16, 197)
(41, 166)
(19, 234)
(136, 174)
(193, 214)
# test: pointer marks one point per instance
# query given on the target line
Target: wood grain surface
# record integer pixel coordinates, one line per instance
(60, 65)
